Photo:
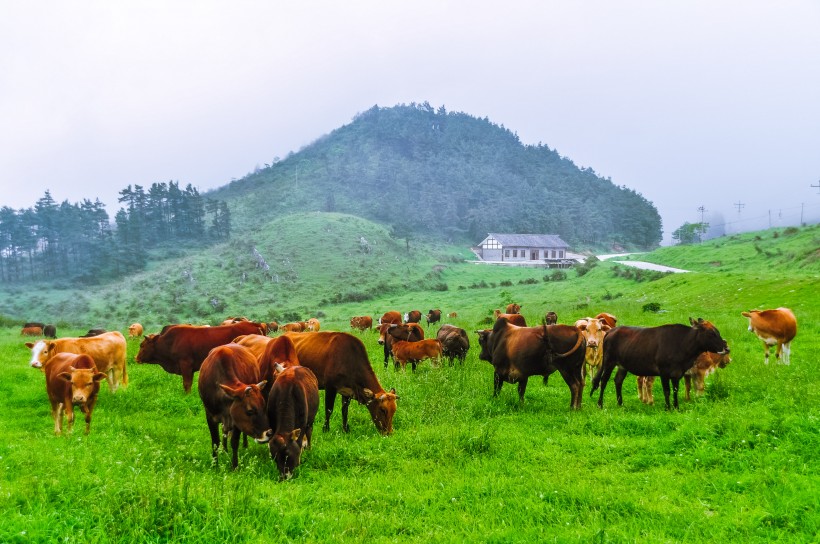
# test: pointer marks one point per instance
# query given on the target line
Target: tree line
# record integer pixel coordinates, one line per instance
(78, 243)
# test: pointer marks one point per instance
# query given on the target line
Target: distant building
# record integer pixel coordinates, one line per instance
(533, 249)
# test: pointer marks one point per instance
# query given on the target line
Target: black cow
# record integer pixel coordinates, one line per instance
(667, 351)
(454, 342)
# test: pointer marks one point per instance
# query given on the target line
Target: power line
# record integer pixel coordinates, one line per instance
(739, 205)
(818, 186)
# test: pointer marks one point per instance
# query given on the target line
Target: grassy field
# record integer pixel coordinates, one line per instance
(738, 465)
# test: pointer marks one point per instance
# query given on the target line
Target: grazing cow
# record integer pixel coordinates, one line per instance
(609, 319)
(340, 363)
(388, 332)
(292, 405)
(513, 319)
(667, 351)
(107, 350)
(231, 392)
(413, 316)
(313, 324)
(433, 316)
(72, 380)
(34, 324)
(454, 343)
(361, 323)
(774, 327)
(706, 363)
(390, 317)
(295, 326)
(550, 318)
(517, 353)
(273, 326)
(513, 308)
(50, 331)
(415, 352)
(31, 331)
(594, 331)
(452, 315)
(93, 332)
(181, 349)
(135, 330)
(232, 320)
(276, 352)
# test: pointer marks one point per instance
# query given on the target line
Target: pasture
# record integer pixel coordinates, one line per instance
(737, 465)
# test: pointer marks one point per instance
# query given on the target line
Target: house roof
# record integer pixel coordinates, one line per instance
(530, 240)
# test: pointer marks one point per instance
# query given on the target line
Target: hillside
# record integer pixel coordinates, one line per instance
(446, 175)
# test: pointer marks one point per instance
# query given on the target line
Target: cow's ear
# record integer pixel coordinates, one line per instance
(693, 322)
(50, 346)
(29, 345)
(231, 392)
(393, 392)
(368, 394)
(99, 376)
(66, 376)
(294, 434)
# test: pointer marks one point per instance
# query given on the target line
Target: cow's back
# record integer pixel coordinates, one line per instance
(107, 349)
(336, 358)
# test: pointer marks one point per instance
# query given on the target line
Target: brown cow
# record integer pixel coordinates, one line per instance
(594, 331)
(93, 332)
(433, 316)
(295, 326)
(232, 320)
(390, 317)
(72, 380)
(135, 330)
(50, 331)
(517, 353)
(292, 405)
(774, 327)
(550, 318)
(452, 315)
(415, 352)
(388, 332)
(413, 316)
(31, 331)
(340, 363)
(273, 326)
(667, 351)
(231, 392)
(609, 319)
(108, 351)
(513, 308)
(454, 342)
(361, 322)
(513, 319)
(182, 348)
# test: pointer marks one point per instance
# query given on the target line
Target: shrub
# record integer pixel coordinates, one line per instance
(528, 281)
(651, 307)
(506, 283)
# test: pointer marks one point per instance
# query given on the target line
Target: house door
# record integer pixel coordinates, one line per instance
(534, 255)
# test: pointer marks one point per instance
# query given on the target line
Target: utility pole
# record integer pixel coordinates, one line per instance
(801, 213)
(739, 205)
(702, 210)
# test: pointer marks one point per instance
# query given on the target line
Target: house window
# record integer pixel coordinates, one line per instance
(553, 253)
(506, 252)
(515, 253)
(561, 254)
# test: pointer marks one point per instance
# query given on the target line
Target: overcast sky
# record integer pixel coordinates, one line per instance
(691, 103)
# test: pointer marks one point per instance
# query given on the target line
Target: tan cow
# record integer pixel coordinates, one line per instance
(107, 350)
(774, 327)
(415, 352)
(313, 325)
(705, 364)
(361, 322)
(513, 319)
(135, 330)
(71, 380)
(594, 331)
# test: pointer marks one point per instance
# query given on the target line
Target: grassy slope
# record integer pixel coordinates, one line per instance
(738, 465)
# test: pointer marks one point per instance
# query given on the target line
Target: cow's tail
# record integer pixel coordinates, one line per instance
(574, 348)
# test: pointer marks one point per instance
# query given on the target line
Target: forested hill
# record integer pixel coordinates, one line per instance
(427, 172)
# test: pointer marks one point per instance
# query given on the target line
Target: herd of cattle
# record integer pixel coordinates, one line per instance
(268, 387)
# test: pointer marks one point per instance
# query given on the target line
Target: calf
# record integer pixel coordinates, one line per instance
(411, 332)
(433, 316)
(231, 392)
(72, 380)
(774, 327)
(667, 351)
(454, 343)
(32, 331)
(513, 308)
(292, 405)
(706, 363)
(361, 323)
(413, 316)
(135, 330)
(415, 352)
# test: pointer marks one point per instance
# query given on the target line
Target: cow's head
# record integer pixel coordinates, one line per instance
(484, 340)
(383, 332)
(248, 410)
(39, 352)
(85, 383)
(550, 318)
(409, 332)
(593, 331)
(708, 337)
(286, 450)
(147, 351)
(382, 406)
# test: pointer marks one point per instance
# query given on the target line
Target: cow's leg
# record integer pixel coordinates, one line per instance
(213, 428)
(602, 377)
(665, 384)
(522, 388)
(330, 400)
(244, 440)
(69, 413)
(387, 356)
(787, 351)
(111, 378)
(186, 368)
(687, 382)
(765, 353)
(413, 364)
(576, 386)
(235, 447)
(620, 376)
(57, 414)
(497, 383)
(87, 409)
(675, 384)
(345, 408)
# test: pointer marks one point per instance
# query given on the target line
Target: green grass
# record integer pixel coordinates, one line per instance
(738, 465)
